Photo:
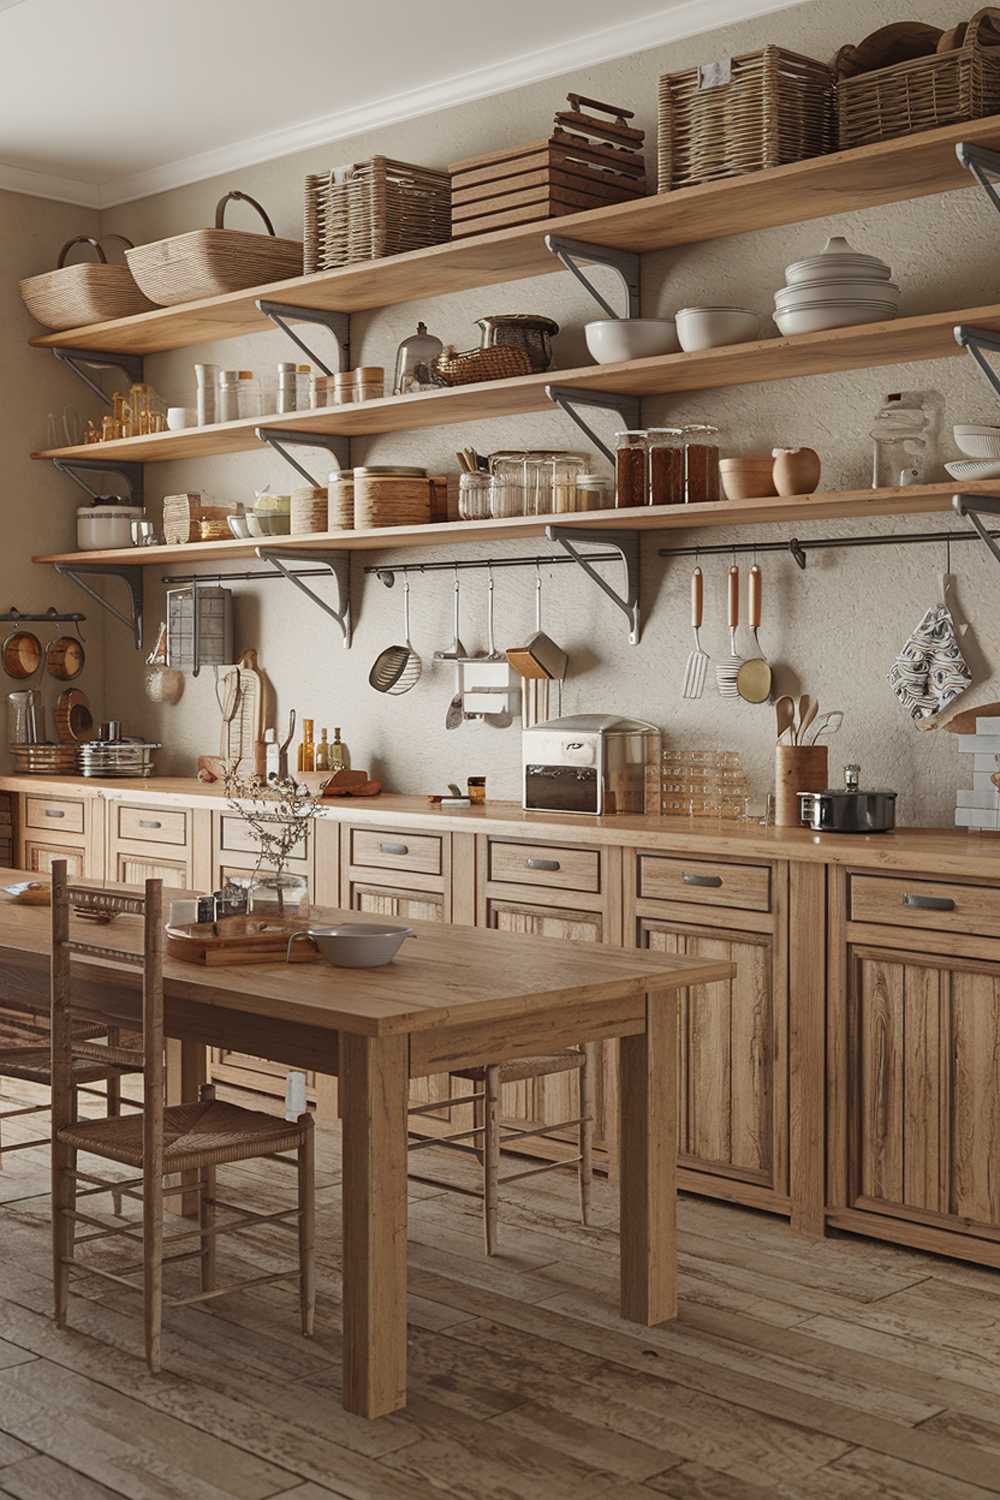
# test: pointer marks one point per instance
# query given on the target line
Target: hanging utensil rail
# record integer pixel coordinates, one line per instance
(798, 548)
(386, 572)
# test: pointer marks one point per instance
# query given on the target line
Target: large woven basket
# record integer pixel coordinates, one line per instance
(211, 262)
(87, 292)
(742, 114)
(502, 362)
(943, 89)
(372, 209)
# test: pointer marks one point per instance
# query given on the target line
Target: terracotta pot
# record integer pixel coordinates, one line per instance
(748, 477)
(796, 471)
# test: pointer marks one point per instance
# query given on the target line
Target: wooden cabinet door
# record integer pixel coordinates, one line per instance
(732, 1110)
(134, 869)
(924, 1089)
(396, 902)
(39, 857)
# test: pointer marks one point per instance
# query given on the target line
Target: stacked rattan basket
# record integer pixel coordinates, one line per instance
(743, 114)
(373, 209)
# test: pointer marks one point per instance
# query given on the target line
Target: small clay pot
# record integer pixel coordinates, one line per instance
(796, 471)
(748, 477)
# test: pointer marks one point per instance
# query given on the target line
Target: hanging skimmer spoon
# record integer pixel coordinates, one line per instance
(728, 669)
(697, 662)
(454, 716)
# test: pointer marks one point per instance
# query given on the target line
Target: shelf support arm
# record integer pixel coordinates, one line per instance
(75, 468)
(568, 399)
(131, 576)
(281, 438)
(973, 506)
(338, 323)
(339, 564)
(131, 366)
(984, 165)
(624, 262)
(626, 544)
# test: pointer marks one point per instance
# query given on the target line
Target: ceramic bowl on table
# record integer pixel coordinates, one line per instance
(355, 945)
(748, 477)
(612, 341)
(714, 327)
(977, 442)
(817, 316)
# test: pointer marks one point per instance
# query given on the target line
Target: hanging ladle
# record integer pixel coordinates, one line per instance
(755, 677)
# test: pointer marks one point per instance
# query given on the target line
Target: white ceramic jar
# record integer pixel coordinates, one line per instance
(99, 526)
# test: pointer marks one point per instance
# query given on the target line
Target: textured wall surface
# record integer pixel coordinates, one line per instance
(39, 505)
(833, 629)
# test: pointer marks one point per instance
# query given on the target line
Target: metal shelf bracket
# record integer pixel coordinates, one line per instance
(131, 576)
(974, 506)
(984, 165)
(338, 323)
(568, 399)
(339, 564)
(624, 262)
(626, 544)
(976, 341)
(131, 366)
(279, 438)
(74, 468)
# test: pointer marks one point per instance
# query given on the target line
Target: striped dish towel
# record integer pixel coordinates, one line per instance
(930, 671)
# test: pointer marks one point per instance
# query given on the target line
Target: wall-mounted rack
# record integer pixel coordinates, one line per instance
(51, 616)
(386, 573)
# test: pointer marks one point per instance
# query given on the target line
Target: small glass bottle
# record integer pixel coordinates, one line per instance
(340, 756)
(477, 788)
(593, 492)
(228, 407)
(286, 386)
(307, 750)
(303, 381)
(323, 752)
(248, 395)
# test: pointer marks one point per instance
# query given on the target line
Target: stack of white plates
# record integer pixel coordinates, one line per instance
(835, 289)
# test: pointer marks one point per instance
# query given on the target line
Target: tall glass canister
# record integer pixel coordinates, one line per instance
(631, 468)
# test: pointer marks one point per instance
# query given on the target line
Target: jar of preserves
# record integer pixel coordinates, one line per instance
(594, 492)
(631, 468)
(683, 464)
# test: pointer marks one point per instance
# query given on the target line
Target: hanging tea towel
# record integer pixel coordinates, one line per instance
(930, 671)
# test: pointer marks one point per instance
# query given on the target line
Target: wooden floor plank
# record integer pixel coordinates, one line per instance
(43, 1478)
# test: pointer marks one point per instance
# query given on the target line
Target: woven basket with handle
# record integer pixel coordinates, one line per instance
(87, 292)
(742, 114)
(372, 209)
(211, 262)
(945, 88)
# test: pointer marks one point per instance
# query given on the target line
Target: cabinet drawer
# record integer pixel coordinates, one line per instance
(665, 878)
(937, 905)
(237, 835)
(417, 852)
(153, 825)
(545, 865)
(54, 814)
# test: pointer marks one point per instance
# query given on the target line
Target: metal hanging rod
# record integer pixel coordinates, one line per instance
(258, 577)
(52, 616)
(387, 572)
(798, 549)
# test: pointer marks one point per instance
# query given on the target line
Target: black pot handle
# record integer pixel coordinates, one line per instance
(220, 209)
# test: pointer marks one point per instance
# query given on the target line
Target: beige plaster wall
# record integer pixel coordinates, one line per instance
(38, 504)
(833, 628)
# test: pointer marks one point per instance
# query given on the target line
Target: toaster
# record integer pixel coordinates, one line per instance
(589, 763)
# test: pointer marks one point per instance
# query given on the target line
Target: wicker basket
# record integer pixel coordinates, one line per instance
(186, 519)
(499, 363)
(211, 262)
(88, 292)
(742, 114)
(943, 89)
(309, 510)
(373, 209)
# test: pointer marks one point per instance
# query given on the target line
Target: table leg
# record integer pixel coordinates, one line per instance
(187, 1070)
(648, 1165)
(374, 1081)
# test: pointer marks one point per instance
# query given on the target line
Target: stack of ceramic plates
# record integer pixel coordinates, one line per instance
(44, 760)
(835, 289)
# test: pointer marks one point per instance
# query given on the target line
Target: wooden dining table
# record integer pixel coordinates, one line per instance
(454, 997)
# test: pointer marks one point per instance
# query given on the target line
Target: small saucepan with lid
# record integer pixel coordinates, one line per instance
(848, 809)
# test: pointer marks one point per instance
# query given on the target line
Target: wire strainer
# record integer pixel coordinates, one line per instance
(397, 668)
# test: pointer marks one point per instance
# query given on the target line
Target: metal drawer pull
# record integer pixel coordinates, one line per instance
(929, 903)
(544, 864)
(394, 848)
(150, 823)
(54, 812)
(712, 880)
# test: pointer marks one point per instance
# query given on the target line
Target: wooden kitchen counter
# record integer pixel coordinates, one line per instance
(943, 851)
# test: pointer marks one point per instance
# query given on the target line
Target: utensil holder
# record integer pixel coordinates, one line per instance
(797, 768)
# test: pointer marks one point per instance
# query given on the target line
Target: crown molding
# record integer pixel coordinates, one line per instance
(44, 185)
(683, 20)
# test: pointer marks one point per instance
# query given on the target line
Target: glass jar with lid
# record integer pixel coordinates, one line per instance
(631, 468)
(506, 485)
(683, 464)
(594, 491)
(474, 496)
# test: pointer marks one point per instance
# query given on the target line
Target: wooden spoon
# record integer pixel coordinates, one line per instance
(808, 709)
(784, 715)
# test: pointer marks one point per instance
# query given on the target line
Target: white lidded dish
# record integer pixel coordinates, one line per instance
(614, 340)
(100, 526)
(837, 260)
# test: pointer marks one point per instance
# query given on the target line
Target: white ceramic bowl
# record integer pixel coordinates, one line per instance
(614, 340)
(823, 315)
(978, 442)
(807, 292)
(835, 261)
(977, 469)
(356, 945)
(713, 327)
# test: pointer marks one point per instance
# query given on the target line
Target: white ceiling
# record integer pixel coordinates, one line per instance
(115, 99)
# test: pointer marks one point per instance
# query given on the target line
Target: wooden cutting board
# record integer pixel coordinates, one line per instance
(243, 716)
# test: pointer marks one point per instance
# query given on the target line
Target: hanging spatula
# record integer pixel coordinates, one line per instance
(697, 662)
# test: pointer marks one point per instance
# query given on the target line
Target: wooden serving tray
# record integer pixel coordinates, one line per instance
(240, 940)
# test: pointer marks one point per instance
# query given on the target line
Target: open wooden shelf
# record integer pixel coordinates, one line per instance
(912, 500)
(928, 336)
(888, 172)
